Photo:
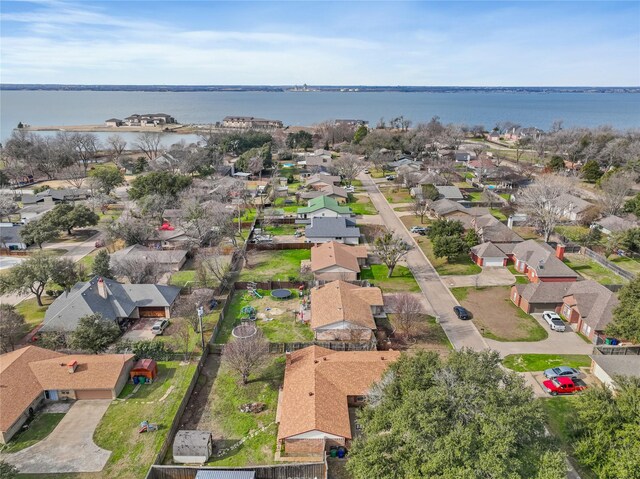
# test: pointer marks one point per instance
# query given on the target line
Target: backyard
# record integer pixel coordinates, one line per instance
(592, 270)
(540, 362)
(460, 266)
(497, 317)
(630, 264)
(274, 265)
(276, 318)
(401, 280)
(429, 335)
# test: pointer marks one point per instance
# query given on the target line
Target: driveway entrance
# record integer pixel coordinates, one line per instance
(70, 447)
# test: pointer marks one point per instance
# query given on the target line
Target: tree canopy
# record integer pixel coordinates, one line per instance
(459, 417)
(445, 227)
(94, 333)
(591, 171)
(158, 182)
(107, 178)
(30, 276)
(626, 316)
(39, 231)
(301, 139)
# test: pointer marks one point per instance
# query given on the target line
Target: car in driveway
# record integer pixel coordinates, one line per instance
(159, 326)
(563, 386)
(554, 321)
(562, 372)
(461, 312)
(421, 230)
(391, 177)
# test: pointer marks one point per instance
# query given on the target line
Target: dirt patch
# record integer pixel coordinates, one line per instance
(498, 318)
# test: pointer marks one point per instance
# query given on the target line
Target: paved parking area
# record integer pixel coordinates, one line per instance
(140, 331)
(488, 277)
(70, 447)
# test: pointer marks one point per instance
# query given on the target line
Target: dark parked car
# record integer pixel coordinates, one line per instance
(461, 313)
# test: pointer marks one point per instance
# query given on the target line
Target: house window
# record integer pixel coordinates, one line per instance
(566, 311)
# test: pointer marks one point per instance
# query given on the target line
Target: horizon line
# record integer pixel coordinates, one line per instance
(310, 85)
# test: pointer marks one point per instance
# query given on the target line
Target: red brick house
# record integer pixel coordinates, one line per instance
(540, 262)
(589, 306)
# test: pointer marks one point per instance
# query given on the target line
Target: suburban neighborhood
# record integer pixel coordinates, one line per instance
(282, 303)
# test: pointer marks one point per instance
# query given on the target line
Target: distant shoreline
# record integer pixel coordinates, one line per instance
(313, 89)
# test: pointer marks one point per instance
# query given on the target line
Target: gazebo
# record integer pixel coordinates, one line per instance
(144, 371)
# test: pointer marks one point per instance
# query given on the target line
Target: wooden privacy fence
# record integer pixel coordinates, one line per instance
(278, 246)
(281, 348)
(607, 264)
(617, 350)
(269, 285)
(280, 471)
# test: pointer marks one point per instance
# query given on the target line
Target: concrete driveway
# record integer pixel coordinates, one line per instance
(140, 330)
(70, 447)
(488, 277)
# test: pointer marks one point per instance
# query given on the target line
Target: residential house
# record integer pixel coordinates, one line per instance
(321, 180)
(56, 196)
(354, 123)
(452, 193)
(607, 367)
(335, 192)
(342, 311)
(113, 122)
(491, 229)
(169, 237)
(462, 156)
(539, 297)
(247, 122)
(321, 392)
(322, 206)
(405, 161)
(35, 211)
(333, 261)
(114, 301)
(488, 254)
(614, 224)
(573, 208)
(540, 262)
(444, 207)
(166, 260)
(149, 119)
(493, 136)
(316, 162)
(10, 237)
(31, 376)
(339, 229)
(589, 306)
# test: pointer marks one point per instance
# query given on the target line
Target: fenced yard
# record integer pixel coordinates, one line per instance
(273, 265)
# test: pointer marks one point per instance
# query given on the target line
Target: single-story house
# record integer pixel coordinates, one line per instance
(497, 232)
(324, 207)
(539, 297)
(450, 193)
(340, 229)
(493, 136)
(192, 447)
(112, 300)
(444, 207)
(167, 260)
(56, 196)
(320, 180)
(405, 161)
(607, 367)
(589, 306)
(462, 156)
(614, 224)
(113, 122)
(573, 208)
(169, 238)
(332, 191)
(342, 311)
(322, 161)
(10, 237)
(31, 375)
(488, 254)
(321, 391)
(332, 261)
(35, 211)
(540, 262)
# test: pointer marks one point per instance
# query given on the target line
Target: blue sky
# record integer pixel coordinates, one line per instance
(502, 43)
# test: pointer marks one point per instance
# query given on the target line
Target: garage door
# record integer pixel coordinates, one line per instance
(492, 262)
(602, 376)
(152, 312)
(542, 307)
(93, 394)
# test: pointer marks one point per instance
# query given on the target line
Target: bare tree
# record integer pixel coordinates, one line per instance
(479, 149)
(256, 165)
(12, 328)
(181, 335)
(245, 355)
(420, 206)
(117, 144)
(74, 174)
(348, 166)
(149, 143)
(206, 222)
(8, 207)
(131, 229)
(137, 269)
(390, 249)
(615, 188)
(212, 266)
(539, 202)
(85, 146)
(407, 311)
(521, 146)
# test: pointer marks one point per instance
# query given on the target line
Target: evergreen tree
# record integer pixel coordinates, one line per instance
(101, 265)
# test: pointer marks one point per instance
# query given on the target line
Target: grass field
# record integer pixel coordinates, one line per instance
(34, 314)
(540, 362)
(396, 194)
(182, 278)
(39, 428)
(626, 263)
(498, 214)
(401, 280)
(461, 266)
(363, 206)
(274, 265)
(592, 270)
(133, 453)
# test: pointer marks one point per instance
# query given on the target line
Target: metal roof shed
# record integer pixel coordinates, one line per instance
(211, 474)
(192, 447)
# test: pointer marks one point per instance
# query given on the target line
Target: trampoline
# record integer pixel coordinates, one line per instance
(281, 293)
(244, 331)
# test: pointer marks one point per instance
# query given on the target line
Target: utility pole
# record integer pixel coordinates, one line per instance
(200, 315)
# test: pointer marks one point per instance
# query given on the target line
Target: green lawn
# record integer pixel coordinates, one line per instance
(39, 428)
(573, 233)
(461, 266)
(362, 206)
(227, 397)
(133, 453)
(560, 413)
(540, 362)
(281, 230)
(498, 214)
(182, 278)
(626, 263)
(592, 270)
(274, 265)
(506, 196)
(521, 279)
(396, 194)
(475, 196)
(34, 314)
(460, 293)
(110, 215)
(401, 280)
(282, 329)
(87, 261)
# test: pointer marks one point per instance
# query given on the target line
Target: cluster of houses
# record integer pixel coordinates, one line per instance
(142, 120)
(250, 122)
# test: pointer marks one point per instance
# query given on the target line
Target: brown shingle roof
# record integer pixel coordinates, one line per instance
(340, 301)
(541, 257)
(333, 253)
(317, 382)
(594, 302)
(542, 292)
(488, 250)
(18, 385)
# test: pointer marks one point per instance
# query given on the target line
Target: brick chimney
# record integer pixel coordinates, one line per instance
(71, 366)
(102, 289)
(560, 251)
(287, 355)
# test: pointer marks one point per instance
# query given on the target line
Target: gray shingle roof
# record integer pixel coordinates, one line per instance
(615, 224)
(594, 302)
(444, 206)
(488, 250)
(619, 365)
(450, 192)
(541, 257)
(10, 234)
(65, 312)
(322, 227)
(572, 203)
(209, 474)
(153, 255)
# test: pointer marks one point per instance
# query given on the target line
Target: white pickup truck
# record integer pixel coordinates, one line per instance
(554, 321)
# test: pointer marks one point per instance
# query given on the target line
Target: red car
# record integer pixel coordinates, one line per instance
(563, 385)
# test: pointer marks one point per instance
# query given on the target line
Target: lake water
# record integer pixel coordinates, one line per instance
(620, 110)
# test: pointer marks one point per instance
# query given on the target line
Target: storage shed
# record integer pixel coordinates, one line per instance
(144, 368)
(213, 474)
(192, 447)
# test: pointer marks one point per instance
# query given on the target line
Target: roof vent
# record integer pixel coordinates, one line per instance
(310, 393)
(316, 361)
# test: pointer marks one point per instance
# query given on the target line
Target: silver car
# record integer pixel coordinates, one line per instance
(159, 326)
(562, 372)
